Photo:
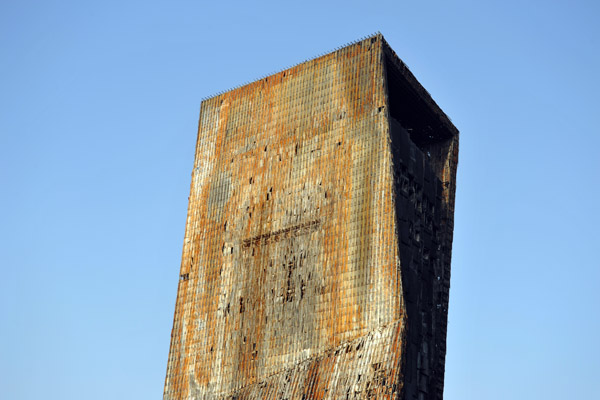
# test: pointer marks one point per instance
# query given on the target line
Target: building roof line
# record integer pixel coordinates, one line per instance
(376, 34)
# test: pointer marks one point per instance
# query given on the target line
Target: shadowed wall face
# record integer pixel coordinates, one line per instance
(290, 282)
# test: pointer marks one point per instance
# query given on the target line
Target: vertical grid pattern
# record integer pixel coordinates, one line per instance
(290, 283)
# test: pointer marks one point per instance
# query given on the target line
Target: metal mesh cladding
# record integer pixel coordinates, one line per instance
(290, 283)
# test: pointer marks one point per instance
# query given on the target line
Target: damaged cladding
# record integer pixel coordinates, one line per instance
(316, 258)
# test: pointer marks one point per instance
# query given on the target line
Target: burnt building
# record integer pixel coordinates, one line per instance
(316, 258)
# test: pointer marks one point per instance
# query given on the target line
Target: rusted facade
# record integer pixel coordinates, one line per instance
(316, 260)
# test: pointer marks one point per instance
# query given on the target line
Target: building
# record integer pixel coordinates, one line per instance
(316, 259)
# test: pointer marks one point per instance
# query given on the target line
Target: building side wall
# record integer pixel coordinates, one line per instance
(290, 257)
(419, 199)
(424, 146)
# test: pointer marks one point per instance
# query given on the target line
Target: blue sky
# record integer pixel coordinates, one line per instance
(99, 107)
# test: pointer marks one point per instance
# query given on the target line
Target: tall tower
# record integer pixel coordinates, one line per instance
(316, 259)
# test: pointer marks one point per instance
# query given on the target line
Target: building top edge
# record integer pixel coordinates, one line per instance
(405, 70)
(362, 39)
(418, 88)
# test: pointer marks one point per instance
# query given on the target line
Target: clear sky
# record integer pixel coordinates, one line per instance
(99, 107)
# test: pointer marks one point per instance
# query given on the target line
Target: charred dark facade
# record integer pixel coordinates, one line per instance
(316, 259)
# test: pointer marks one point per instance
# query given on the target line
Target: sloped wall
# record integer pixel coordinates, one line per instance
(291, 249)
